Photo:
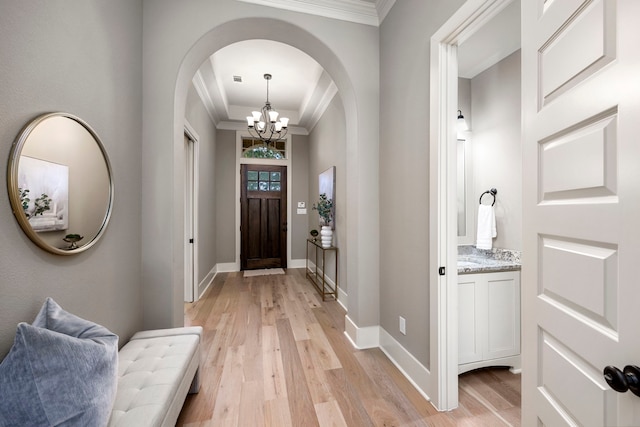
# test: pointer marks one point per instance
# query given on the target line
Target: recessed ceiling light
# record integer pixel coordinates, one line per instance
(237, 79)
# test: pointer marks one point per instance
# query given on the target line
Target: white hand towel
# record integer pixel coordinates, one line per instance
(486, 227)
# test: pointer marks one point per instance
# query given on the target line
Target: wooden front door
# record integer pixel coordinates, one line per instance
(580, 63)
(263, 225)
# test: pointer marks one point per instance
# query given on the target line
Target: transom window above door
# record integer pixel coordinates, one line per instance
(256, 149)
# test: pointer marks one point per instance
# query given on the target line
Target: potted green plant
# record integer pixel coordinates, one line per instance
(325, 210)
(73, 239)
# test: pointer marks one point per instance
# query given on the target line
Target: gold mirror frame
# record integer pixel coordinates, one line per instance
(15, 196)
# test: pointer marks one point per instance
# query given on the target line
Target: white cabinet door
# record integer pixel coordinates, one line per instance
(470, 329)
(503, 315)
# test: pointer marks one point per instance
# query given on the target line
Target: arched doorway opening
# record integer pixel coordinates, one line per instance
(163, 260)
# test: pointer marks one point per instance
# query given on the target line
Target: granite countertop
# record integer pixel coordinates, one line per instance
(472, 260)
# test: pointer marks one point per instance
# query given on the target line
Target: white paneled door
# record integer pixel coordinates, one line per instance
(581, 283)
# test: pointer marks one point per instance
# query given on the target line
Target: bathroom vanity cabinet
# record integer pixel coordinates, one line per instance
(489, 320)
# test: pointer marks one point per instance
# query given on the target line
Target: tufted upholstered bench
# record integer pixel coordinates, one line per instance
(156, 370)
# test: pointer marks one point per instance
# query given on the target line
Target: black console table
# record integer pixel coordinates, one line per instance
(317, 276)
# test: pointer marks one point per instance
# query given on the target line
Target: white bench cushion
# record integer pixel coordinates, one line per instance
(155, 371)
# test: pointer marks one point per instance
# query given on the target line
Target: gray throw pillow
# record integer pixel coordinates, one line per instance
(61, 371)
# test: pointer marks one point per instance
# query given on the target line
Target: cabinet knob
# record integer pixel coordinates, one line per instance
(625, 380)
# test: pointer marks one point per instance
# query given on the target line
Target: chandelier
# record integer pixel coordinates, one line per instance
(264, 124)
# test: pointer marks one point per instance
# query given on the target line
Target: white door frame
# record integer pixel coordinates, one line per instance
(192, 151)
(443, 248)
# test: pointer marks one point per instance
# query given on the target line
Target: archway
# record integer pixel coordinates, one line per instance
(362, 250)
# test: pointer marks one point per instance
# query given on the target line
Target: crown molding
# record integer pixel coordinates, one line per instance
(202, 91)
(242, 126)
(383, 7)
(325, 90)
(358, 11)
(328, 96)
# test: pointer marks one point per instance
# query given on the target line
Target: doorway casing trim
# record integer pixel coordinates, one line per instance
(191, 272)
(471, 16)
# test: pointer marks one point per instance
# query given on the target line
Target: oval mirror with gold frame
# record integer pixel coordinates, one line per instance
(60, 183)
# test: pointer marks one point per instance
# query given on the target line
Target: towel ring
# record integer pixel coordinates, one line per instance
(493, 192)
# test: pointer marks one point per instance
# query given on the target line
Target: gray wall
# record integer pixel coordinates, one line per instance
(84, 58)
(226, 196)
(496, 148)
(299, 228)
(47, 66)
(206, 237)
(327, 147)
(404, 173)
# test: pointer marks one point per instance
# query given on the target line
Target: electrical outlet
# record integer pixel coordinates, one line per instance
(403, 326)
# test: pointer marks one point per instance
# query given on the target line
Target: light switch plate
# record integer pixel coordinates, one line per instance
(302, 205)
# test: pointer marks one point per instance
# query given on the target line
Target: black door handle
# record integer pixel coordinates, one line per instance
(622, 381)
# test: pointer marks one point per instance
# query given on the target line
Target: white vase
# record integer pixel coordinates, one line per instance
(326, 236)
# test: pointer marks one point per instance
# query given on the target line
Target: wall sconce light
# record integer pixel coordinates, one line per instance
(461, 123)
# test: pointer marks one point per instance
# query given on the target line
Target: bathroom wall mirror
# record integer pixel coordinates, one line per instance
(466, 214)
(60, 184)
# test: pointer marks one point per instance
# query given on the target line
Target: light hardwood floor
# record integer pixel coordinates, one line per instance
(274, 354)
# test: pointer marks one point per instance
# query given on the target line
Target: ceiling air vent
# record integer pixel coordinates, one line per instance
(237, 79)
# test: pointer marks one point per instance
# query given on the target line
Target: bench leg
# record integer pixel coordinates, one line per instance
(195, 384)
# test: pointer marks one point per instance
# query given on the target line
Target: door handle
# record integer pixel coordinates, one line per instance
(622, 381)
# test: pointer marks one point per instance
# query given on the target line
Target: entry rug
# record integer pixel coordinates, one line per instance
(263, 272)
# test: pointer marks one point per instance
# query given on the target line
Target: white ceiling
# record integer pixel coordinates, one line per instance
(300, 89)
(491, 43)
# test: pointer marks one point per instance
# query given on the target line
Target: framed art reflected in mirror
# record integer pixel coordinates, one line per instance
(60, 184)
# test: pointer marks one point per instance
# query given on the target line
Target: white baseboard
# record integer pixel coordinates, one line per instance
(343, 299)
(411, 368)
(361, 338)
(207, 281)
(211, 275)
(375, 336)
(227, 267)
(298, 263)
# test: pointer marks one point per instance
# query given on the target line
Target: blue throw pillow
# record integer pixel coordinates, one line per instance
(61, 371)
